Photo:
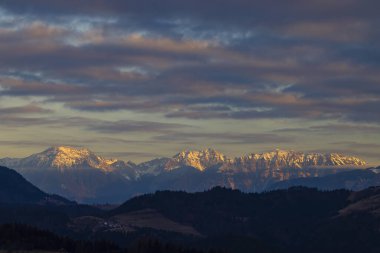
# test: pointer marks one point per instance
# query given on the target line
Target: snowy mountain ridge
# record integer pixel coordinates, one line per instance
(66, 157)
(80, 174)
(62, 158)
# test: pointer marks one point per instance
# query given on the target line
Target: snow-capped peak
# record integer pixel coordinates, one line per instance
(200, 159)
(66, 157)
(291, 159)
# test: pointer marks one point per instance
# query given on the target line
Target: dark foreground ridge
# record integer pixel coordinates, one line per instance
(17, 190)
(297, 219)
(17, 237)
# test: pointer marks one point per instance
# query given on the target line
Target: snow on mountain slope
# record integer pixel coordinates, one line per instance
(274, 160)
(153, 167)
(199, 159)
(80, 174)
(63, 158)
(76, 173)
(279, 159)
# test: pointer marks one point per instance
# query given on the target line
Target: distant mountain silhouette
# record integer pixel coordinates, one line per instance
(15, 189)
(353, 180)
(297, 219)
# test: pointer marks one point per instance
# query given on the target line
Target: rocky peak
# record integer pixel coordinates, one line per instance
(200, 159)
(339, 159)
(66, 157)
(278, 159)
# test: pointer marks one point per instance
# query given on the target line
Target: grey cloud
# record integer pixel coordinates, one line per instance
(25, 143)
(189, 61)
(14, 121)
(123, 126)
(70, 141)
(20, 87)
(95, 125)
(26, 109)
(239, 11)
(197, 60)
(225, 138)
(357, 145)
(333, 129)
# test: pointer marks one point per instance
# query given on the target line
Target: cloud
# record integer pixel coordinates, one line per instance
(236, 59)
(239, 11)
(124, 126)
(26, 109)
(20, 87)
(10, 117)
(357, 145)
(224, 138)
(339, 31)
(72, 141)
(333, 129)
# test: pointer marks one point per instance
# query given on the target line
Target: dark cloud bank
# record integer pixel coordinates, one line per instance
(199, 60)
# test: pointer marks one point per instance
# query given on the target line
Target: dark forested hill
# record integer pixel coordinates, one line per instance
(15, 189)
(297, 219)
(294, 220)
(22, 202)
(225, 211)
(17, 237)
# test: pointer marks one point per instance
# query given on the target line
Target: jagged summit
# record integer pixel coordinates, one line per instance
(69, 157)
(276, 159)
(66, 156)
(292, 159)
(62, 158)
(200, 159)
(80, 174)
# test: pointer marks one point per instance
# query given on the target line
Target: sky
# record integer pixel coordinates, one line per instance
(137, 79)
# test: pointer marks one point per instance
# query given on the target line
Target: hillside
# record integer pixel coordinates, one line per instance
(294, 220)
(15, 189)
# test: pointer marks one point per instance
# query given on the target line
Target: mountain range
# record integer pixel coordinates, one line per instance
(80, 174)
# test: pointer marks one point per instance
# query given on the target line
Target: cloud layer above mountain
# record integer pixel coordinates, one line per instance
(169, 70)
